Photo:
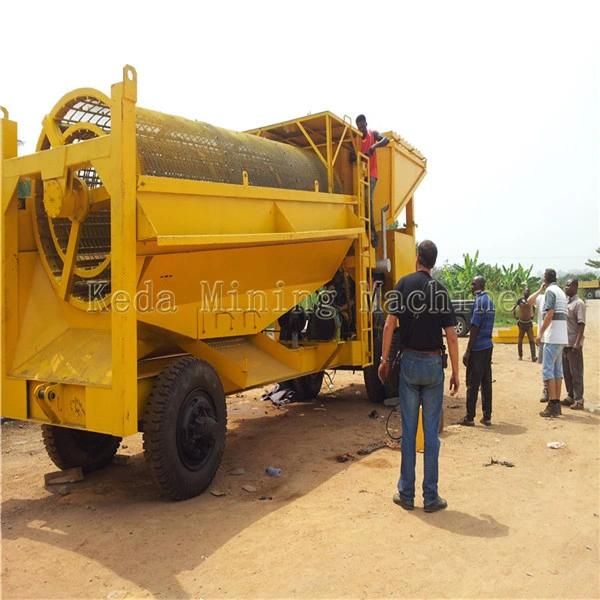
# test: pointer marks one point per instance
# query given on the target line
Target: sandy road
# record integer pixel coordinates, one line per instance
(330, 529)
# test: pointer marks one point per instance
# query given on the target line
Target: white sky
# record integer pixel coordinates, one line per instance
(502, 97)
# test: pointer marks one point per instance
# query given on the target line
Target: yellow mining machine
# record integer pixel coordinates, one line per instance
(152, 264)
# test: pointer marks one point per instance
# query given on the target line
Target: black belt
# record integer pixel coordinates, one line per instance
(426, 352)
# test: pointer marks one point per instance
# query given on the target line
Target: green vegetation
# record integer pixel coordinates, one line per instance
(457, 278)
(504, 284)
(592, 262)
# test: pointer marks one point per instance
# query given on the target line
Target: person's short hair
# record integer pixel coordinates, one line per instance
(361, 118)
(480, 280)
(427, 254)
(550, 276)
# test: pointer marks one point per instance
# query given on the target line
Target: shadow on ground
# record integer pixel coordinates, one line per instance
(462, 523)
(121, 505)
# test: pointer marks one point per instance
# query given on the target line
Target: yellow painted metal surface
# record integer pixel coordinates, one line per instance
(123, 253)
(586, 285)
(251, 361)
(400, 170)
(228, 300)
(12, 400)
(147, 236)
(403, 255)
(76, 356)
(43, 316)
(58, 404)
(509, 335)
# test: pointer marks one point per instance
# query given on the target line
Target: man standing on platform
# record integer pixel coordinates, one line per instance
(371, 140)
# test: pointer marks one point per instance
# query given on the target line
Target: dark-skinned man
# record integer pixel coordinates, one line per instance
(573, 353)
(419, 309)
(478, 355)
(523, 312)
(553, 333)
(371, 140)
(537, 299)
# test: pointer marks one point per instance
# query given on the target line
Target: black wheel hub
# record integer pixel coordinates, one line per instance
(197, 430)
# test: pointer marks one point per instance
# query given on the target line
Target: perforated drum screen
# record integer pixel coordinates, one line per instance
(167, 146)
(171, 146)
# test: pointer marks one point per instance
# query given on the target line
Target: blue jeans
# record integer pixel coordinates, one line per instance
(421, 383)
(552, 367)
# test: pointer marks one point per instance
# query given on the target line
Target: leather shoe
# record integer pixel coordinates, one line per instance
(438, 504)
(405, 504)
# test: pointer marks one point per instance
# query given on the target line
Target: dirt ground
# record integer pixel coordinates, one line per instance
(328, 529)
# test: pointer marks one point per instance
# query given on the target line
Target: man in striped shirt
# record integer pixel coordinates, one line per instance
(553, 334)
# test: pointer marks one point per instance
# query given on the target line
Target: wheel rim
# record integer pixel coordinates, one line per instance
(197, 430)
(460, 327)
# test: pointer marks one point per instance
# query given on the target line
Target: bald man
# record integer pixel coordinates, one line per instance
(573, 351)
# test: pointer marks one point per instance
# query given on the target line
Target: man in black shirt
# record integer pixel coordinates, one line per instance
(418, 310)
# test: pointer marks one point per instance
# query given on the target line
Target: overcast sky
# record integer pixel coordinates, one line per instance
(503, 98)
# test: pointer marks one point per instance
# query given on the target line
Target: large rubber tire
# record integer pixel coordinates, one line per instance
(461, 327)
(308, 386)
(185, 423)
(376, 391)
(589, 295)
(68, 448)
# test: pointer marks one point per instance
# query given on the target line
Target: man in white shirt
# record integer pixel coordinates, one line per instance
(537, 299)
(553, 333)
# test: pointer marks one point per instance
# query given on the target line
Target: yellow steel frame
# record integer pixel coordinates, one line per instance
(100, 363)
(111, 409)
(8, 262)
(123, 243)
(298, 132)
